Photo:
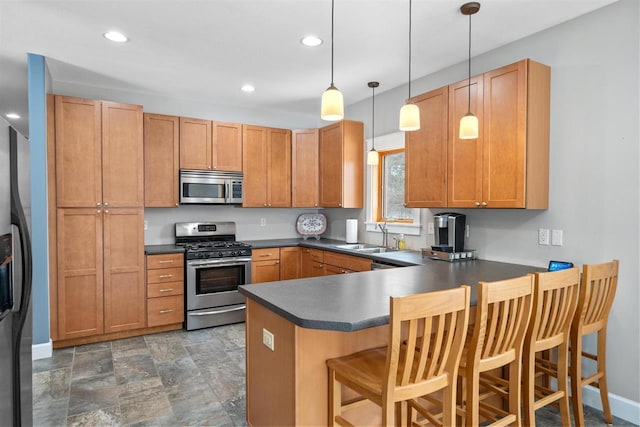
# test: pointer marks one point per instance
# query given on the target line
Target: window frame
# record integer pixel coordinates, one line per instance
(378, 205)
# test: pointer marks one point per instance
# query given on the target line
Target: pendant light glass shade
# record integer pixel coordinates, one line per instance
(469, 123)
(373, 158)
(332, 106)
(468, 127)
(409, 117)
(409, 113)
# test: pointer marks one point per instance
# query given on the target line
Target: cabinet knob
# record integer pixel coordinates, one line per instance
(265, 205)
(106, 204)
(208, 167)
(106, 211)
(98, 211)
(176, 204)
(277, 262)
(404, 204)
(477, 204)
(315, 204)
(98, 204)
(269, 204)
(484, 204)
(339, 204)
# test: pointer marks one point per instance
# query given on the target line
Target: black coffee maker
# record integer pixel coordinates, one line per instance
(449, 230)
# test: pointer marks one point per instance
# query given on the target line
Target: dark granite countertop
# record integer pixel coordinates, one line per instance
(162, 249)
(350, 302)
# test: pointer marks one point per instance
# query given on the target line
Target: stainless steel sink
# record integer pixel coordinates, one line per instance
(356, 246)
(362, 247)
(376, 250)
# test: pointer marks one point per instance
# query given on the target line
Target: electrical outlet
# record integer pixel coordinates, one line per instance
(466, 231)
(263, 222)
(556, 237)
(146, 225)
(430, 228)
(268, 339)
(543, 236)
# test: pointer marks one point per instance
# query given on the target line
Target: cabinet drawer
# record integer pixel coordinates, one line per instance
(165, 261)
(265, 254)
(155, 290)
(165, 310)
(163, 275)
(316, 255)
(347, 261)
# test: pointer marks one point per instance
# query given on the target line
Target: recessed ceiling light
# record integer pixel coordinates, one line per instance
(13, 116)
(115, 36)
(311, 41)
(248, 88)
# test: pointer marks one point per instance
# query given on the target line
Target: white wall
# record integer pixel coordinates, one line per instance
(594, 159)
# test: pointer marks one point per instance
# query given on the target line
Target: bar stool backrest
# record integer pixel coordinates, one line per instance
(425, 346)
(598, 288)
(502, 317)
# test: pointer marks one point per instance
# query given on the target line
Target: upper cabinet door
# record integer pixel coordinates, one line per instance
(122, 155)
(78, 157)
(254, 166)
(505, 122)
(227, 146)
(465, 155)
(331, 166)
(195, 144)
(279, 168)
(161, 160)
(426, 153)
(304, 168)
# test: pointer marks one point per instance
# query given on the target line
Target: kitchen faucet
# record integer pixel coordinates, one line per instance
(385, 233)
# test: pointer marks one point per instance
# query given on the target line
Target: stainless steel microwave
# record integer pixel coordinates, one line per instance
(210, 187)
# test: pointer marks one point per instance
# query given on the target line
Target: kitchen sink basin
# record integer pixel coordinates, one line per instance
(361, 247)
(376, 250)
(356, 246)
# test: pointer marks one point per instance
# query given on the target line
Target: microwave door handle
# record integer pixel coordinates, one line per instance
(227, 191)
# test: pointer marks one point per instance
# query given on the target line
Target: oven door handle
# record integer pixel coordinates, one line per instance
(218, 263)
(228, 310)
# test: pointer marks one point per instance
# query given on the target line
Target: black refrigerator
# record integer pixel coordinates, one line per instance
(15, 282)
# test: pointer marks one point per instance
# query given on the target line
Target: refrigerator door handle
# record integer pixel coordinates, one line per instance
(17, 284)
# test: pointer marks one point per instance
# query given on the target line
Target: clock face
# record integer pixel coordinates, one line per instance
(311, 224)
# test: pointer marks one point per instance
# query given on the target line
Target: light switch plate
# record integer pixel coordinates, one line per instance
(543, 236)
(557, 237)
(430, 228)
(268, 339)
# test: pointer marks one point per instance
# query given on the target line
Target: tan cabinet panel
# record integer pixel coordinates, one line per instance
(122, 155)
(227, 146)
(195, 144)
(165, 261)
(290, 263)
(78, 152)
(305, 166)
(161, 160)
(254, 155)
(165, 310)
(279, 168)
(165, 289)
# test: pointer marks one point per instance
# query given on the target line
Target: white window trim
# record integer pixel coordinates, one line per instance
(387, 142)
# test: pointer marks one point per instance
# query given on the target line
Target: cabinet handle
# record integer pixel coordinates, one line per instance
(339, 204)
(166, 290)
(165, 276)
(176, 204)
(404, 204)
(277, 262)
(484, 204)
(106, 204)
(269, 204)
(265, 255)
(98, 204)
(98, 211)
(265, 205)
(165, 311)
(106, 211)
(166, 261)
(477, 204)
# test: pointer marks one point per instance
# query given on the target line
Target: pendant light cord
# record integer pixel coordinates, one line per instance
(469, 81)
(373, 118)
(409, 48)
(332, 8)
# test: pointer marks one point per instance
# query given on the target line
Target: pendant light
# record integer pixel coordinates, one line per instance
(409, 113)
(373, 158)
(332, 107)
(469, 122)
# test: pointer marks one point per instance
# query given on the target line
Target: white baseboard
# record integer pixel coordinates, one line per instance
(621, 407)
(42, 351)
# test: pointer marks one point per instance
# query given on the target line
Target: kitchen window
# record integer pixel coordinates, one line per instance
(391, 188)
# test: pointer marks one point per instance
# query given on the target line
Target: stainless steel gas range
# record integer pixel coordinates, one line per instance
(215, 266)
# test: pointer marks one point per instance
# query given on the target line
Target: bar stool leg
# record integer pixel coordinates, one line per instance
(515, 396)
(529, 373)
(576, 379)
(563, 383)
(602, 368)
(335, 398)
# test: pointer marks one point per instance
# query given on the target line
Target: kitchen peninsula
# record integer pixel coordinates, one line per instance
(294, 326)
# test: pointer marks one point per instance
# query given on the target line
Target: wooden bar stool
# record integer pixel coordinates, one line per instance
(427, 334)
(555, 299)
(502, 317)
(597, 290)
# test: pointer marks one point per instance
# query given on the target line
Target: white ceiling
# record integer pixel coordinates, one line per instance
(206, 49)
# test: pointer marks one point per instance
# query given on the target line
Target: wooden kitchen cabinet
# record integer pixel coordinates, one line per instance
(161, 160)
(265, 265)
(508, 165)
(426, 153)
(342, 165)
(335, 263)
(165, 289)
(305, 168)
(266, 160)
(290, 263)
(195, 144)
(311, 262)
(96, 217)
(210, 145)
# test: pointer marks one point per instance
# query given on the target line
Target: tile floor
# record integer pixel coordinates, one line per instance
(168, 379)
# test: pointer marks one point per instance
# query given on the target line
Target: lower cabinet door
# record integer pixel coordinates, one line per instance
(165, 310)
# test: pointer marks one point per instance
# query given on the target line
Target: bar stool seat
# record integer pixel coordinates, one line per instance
(426, 338)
